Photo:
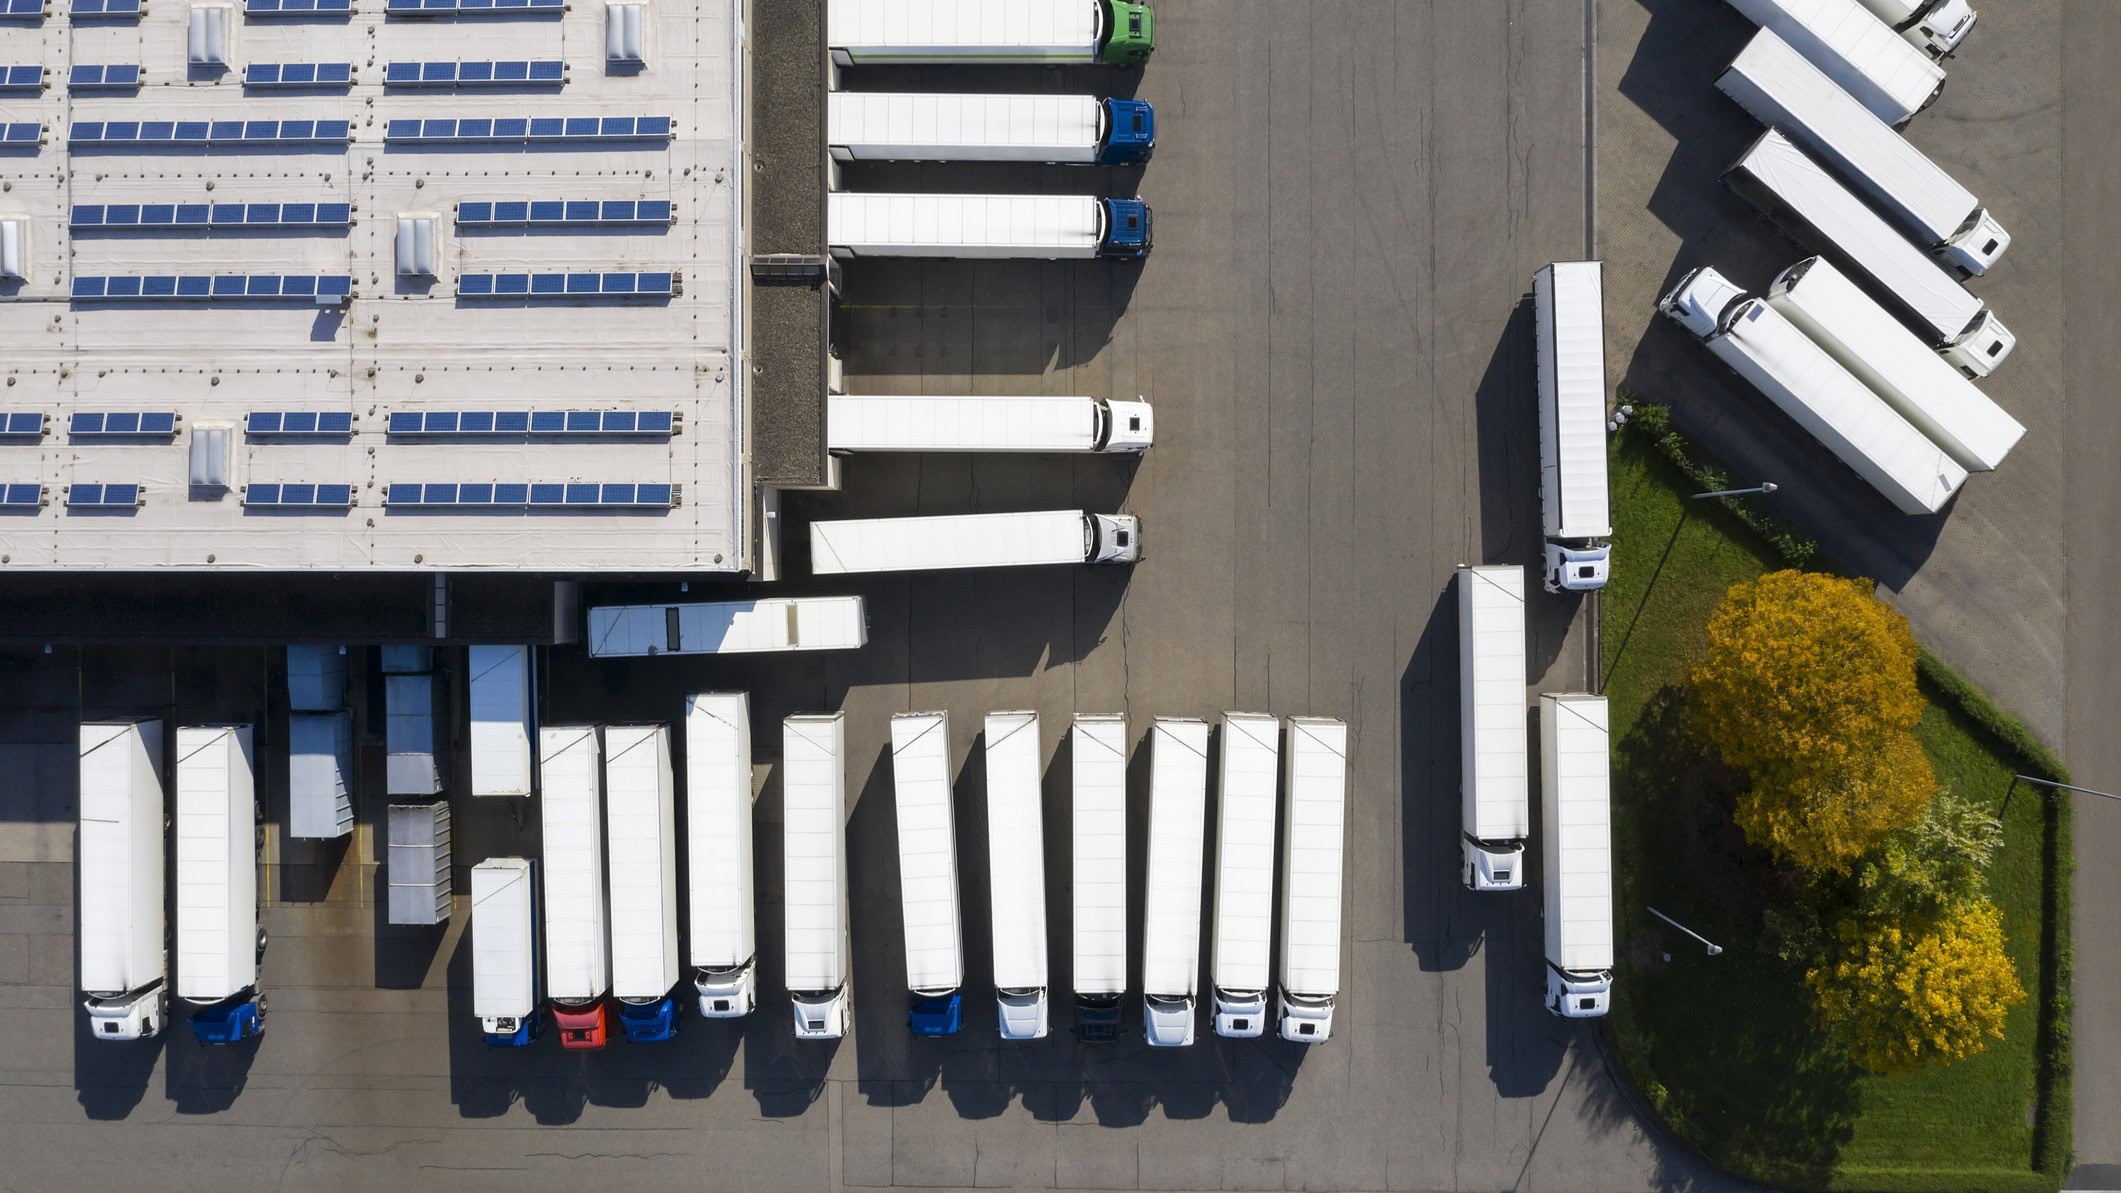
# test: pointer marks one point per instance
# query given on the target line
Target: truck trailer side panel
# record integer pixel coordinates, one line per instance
(1863, 56)
(121, 808)
(723, 927)
(577, 942)
(217, 863)
(1099, 882)
(501, 720)
(641, 823)
(927, 851)
(503, 977)
(728, 627)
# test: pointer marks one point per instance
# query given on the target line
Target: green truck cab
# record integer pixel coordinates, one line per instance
(1132, 35)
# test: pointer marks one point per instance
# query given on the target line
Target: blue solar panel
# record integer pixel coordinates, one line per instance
(323, 289)
(106, 8)
(569, 285)
(103, 78)
(267, 423)
(106, 496)
(559, 213)
(298, 496)
(124, 217)
(21, 496)
(156, 134)
(22, 424)
(21, 135)
(22, 10)
(471, 8)
(532, 422)
(543, 128)
(297, 8)
(22, 78)
(514, 73)
(122, 423)
(298, 74)
(533, 494)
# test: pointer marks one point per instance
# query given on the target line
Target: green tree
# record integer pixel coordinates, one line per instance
(1933, 865)
(1901, 995)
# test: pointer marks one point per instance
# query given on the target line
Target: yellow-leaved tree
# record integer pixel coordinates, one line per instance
(1899, 996)
(1828, 819)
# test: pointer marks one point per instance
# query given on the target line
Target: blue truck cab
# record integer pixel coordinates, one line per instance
(648, 1022)
(231, 1020)
(1128, 225)
(514, 1031)
(936, 1014)
(1130, 132)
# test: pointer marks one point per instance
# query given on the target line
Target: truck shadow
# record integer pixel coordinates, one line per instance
(111, 1078)
(1438, 917)
(206, 1079)
(1506, 426)
(893, 1067)
(1525, 1044)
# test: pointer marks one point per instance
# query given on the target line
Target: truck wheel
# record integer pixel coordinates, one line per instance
(261, 941)
(261, 1014)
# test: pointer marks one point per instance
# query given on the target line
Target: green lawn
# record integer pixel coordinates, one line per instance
(1722, 1047)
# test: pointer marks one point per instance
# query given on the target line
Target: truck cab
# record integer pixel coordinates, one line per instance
(1493, 865)
(1130, 132)
(1097, 1018)
(1128, 228)
(1125, 426)
(1700, 301)
(1306, 1020)
(230, 1021)
(1576, 568)
(583, 1028)
(136, 1016)
(1167, 1022)
(511, 1031)
(725, 993)
(1113, 538)
(821, 1014)
(939, 1014)
(1574, 995)
(1132, 35)
(1240, 1014)
(1023, 1014)
(651, 1022)
(1975, 248)
(1938, 29)
(1985, 344)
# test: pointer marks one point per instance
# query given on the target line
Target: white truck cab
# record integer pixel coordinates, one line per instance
(1117, 538)
(1129, 426)
(1700, 300)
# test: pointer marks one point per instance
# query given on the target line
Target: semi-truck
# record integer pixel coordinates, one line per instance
(502, 719)
(728, 627)
(1777, 87)
(1240, 961)
(1576, 848)
(1494, 764)
(316, 677)
(1057, 129)
(1098, 886)
(1883, 354)
(504, 950)
(947, 423)
(720, 872)
(1178, 796)
(972, 541)
(1797, 375)
(641, 835)
(124, 954)
(987, 227)
(1818, 212)
(1862, 55)
(814, 872)
(927, 872)
(1936, 27)
(1568, 307)
(320, 775)
(986, 32)
(414, 755)
(1314, 843)
(219, 939)
(1016, 874)
(577, 942)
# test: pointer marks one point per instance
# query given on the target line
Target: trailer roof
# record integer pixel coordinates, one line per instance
(1892, 77)
(890, 118)
(217, 860)
(577, 951)
(1027, 221)
(1579, 840)
(120, 852)
(1571, 363)
(1016, 855)
(947, 541)
(1316, 846)
(642, 845)
(1244, 850)
(1494, 759)
(964, 422)
(1099, 879)
(500, 720)
(729, 627)
(927, 850)
(963, 22)
(501, 939)
(1178, 794)
(718, 828)
(814, 835)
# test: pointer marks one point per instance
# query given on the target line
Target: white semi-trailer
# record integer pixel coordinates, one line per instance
(905, 126)
(502, 714)
(504, 950)
(814, 872)
(577, 940)
(124, 955)
(1576, 847)
(1936, 27)
(1494, 775)
(1825, 399)
(1781, 90)
(1178, 796)
(1099, 883)
(1016, 874)
(1883, 354)
(1820, 213)
(720, 872)
(940, 423)
(1861, 54)
(1240, 963)
(927, 872)
(1569, 329)
(728, 627)
(640, 821)
(972, 541)
(219, 940)
(985, 32)
(1314, 844)
(988, 227)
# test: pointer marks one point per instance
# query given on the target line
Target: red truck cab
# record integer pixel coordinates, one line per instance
(582, 1028)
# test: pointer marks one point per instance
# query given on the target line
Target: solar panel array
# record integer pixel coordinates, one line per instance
(472, 8)
(296, 8)
(163, 423)
(103, 496)
(20, 496)
(148, 217)
(540, 213)
(531, 495)
(22, 424)
(561, 129)
(530, 422)
(262, 424)
(321, 288)
(298, 74)
(21, 78)
(107, 8)
(24, 10)
(569, 285)
(21, 134)
(299, 496)
(192, 134)
(515, 73)
(103, 78)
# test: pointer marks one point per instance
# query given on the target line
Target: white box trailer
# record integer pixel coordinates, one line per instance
(927, 871)
(577, 938)
(973, 540)
(641, 837)
(1098, 885)
(418, 863)
(1576, 846)
(1178, 796)
(414, 754)
(320, 775)
(1797, 375)
(1016, 874)
(1055, 129)
(728, 627)
(814, 872)
(218, 937)
(985, 32)
(503, 714)
(124, 955)
(1569, 328)
(1869, 342)
(1494, 775)
(1936, 27)
(1780, 89)
(316, 677)
(987, 227)
(720, 872)
(1861, 54)
(1797, 193)
(974, 423)
(504, 960)
(1314, 846)
(1240, 961)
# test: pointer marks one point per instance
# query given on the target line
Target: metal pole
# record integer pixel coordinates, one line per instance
(2064, 786)
(1713, 948)
(1763, 487)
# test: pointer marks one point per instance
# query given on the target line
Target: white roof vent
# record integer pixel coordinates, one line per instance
(210, 26)
(419, 234)
(209, 457)
(626, 34)
(14, 248)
